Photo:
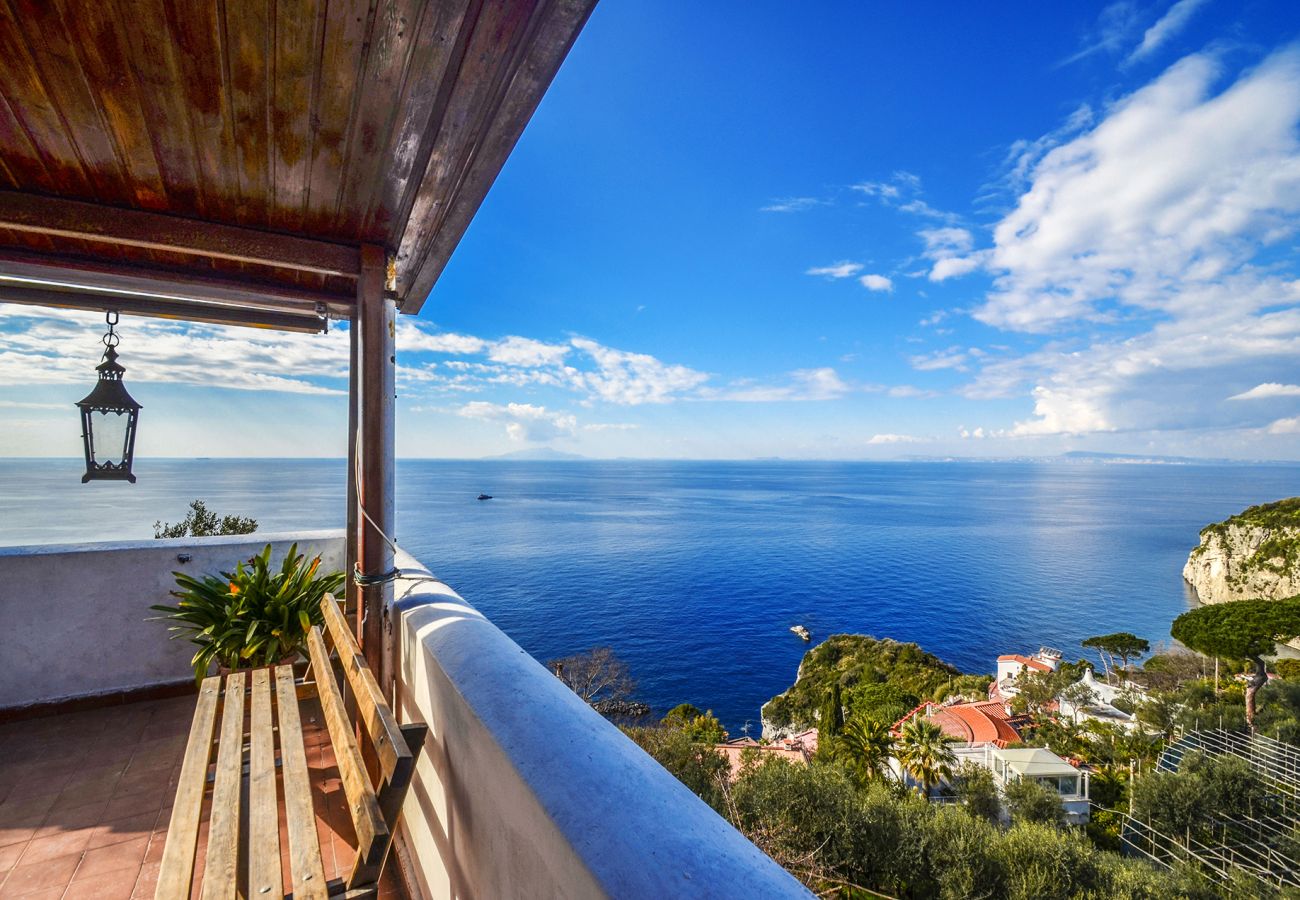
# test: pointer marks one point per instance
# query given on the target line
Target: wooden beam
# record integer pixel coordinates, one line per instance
(93, 222)
(155, 307)
(376, 314)
(519, 64)
(118, 276)
(352, 602)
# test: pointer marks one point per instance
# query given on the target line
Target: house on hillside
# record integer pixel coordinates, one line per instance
(1010, 764)
(968, 723)
(1010, 665)
(1095, 702)
(799, 749)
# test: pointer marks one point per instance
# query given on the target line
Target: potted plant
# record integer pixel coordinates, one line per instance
(250, 617)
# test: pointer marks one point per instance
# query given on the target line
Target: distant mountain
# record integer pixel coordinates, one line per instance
(1089, 456)
(539, 454)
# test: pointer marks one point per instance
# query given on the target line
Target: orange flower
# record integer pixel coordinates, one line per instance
(234, 588)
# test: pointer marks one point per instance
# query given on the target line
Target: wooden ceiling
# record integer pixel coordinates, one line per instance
(238, 152)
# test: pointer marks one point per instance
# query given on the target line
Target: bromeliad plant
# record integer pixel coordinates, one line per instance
(253, 616)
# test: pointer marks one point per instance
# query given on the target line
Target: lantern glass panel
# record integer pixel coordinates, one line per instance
(108, 431)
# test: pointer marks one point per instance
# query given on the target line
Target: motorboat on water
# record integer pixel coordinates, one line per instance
(802, 632)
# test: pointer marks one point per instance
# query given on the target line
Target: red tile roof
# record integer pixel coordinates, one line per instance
(974, 723)
(1025, 661)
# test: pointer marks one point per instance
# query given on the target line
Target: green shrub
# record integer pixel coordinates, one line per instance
(250, 617)
(1033, 803)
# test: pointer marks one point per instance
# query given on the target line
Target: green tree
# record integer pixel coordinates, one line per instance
(1242, 629)
(1123, 644)
(865, 746)
(681, 715)
(925, 753)
(1031, 801)
(699, 767)
(831, 720)
(203, 522)
(977, 792)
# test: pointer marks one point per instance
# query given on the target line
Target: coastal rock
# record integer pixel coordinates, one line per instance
(1252, 555)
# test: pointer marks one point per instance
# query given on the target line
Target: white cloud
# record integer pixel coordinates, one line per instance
(1173, 21)
(954, 267)
(1285, 426)
(1175, 185)
(876, 283)
(952, 358)
(842, 269)
(1117, 22)
(521, 351)
(18, 404)
(909, 391)
(524, 422)
(631, 378)
(412, 337)
(950, 250)
(1150, 228)
(896, 439)
(793, 204)
(803, 385)
(1268, 390)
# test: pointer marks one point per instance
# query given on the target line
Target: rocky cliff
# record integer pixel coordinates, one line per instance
(1252, 555)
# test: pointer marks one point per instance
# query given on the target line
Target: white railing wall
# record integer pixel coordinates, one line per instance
(524, 791)
(73, 617)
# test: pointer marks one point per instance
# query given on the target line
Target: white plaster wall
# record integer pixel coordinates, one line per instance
(73, 617)
(524, 791)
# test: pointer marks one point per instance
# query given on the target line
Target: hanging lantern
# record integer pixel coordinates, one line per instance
(108, 419)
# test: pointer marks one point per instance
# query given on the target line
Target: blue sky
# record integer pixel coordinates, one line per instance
(818, 231)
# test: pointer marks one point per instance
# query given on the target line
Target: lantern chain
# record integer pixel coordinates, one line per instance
(112, 339)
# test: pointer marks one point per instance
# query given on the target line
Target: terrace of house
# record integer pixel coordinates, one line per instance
(521, 788)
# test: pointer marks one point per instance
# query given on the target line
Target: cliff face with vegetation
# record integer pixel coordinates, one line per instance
(1252, 555)
(880, 679)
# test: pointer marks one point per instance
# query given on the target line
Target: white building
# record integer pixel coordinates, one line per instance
(1099, 703)
(1017, 763)
(1010, 665)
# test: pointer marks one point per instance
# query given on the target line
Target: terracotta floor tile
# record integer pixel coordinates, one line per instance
(9, 857)
(17, 834)
(84, 792)
(53, 846)
(46, 873)
(147, 883)
(122, 830)
(78, 818)
(116, 885)
(127, 855)
(26, 810)
(122, 807)
(53, 893)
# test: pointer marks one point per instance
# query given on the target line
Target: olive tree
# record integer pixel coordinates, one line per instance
(1242, 629)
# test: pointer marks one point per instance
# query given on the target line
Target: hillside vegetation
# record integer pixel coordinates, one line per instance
(879, 679)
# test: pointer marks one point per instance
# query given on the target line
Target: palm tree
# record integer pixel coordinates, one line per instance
(866, 745)
(924, 751)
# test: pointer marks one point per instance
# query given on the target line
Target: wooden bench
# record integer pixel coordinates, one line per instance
(243, 849)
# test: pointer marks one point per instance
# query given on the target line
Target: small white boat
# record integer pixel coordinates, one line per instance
(801, 631)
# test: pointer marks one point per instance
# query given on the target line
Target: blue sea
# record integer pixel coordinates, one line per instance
(694, 571)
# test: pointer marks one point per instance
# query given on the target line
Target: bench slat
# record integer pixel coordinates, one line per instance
(177, 870)
(363, 804)
(305, 867)
(221, 872)
(380, 722)
(264, 875)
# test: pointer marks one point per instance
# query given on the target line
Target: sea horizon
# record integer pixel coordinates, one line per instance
(694, 571)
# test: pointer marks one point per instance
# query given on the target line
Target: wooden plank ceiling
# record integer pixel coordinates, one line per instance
(341, 122)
